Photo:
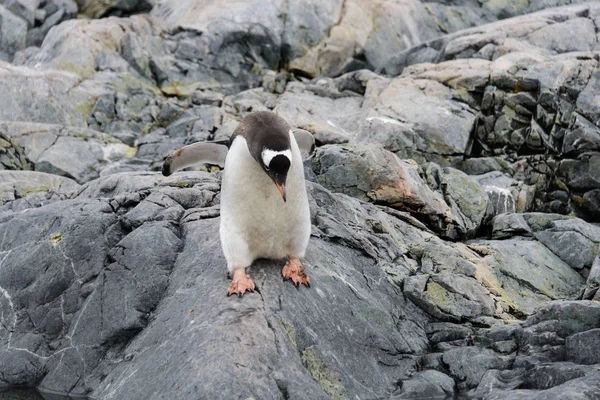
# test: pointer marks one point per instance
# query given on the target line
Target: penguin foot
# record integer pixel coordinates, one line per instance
(241, 283)
(294, 270)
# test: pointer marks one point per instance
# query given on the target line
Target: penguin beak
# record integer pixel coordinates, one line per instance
(281, 188)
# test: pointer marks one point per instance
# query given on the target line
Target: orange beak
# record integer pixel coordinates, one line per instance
(281, 188)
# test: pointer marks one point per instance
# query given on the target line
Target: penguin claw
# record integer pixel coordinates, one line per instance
(239, 286)
(294, 270)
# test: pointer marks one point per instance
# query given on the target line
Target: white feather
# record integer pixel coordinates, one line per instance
(255, 221)
(268, 155)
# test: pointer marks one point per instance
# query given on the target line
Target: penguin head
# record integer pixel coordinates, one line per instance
(276, 164)
(268, 138)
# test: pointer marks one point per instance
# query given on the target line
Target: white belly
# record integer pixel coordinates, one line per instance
(255, 221)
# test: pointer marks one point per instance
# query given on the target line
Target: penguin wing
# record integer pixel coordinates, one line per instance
(305, 140)
(197, 153)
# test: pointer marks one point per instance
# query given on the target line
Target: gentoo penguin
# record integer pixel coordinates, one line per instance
(264, 205)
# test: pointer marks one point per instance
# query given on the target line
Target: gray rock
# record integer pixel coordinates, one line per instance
(429, 384)
(593, 281)
(320, 108)
(580, 347)
(12, 30)
(94, 9)
(27, 185)
(24, 9)
(130, 211)
(26, 92)
(466, 198)
(77, 153)
(562, 318)
(77, 45)
(581, 174)
(449, 297)
(556, 381)
(407, 105)
(469, 364)
(526, 274)
(571, 239)
(21, 56)
(446, 200)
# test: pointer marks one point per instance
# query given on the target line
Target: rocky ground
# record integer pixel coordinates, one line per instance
(455, 189)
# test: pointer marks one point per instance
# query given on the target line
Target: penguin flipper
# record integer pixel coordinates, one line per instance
(305, 140)
(197, 153)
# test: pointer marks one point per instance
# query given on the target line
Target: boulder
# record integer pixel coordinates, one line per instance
(13, 29)
(26, 92)
(578, 347)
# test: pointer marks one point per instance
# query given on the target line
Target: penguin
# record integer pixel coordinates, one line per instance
(264, 204)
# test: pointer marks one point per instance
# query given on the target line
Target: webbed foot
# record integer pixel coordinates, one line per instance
(241, 283)
(294, 270)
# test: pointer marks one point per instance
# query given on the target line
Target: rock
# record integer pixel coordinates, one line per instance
(443, 332)
(27, 189)
(22, 56)
(446, 201)
(113, 208)
(27, 90)
(77, 153)
(324, 111)
(470, 363)
(57, 11)
(556, 381)
(97, 10)
(78, 45)
(430, 384)
(571, 239)
(593, 281)
(12, 29)
(527, 274)
(500, 122)
(449, 297)
(431, 112)
(467, 200)
(578, 347)
(562, 318)
(581, 174)
(537, 33)
(24, 9)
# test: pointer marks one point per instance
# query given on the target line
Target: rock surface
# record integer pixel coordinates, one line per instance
(454, 193)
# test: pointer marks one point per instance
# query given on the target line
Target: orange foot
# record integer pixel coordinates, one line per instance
(241, 283)
(293, 270)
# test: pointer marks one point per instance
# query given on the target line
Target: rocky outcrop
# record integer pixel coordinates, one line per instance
(454, 199)
(94, 294)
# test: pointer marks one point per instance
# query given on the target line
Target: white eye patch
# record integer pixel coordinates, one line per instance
(268, 155)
